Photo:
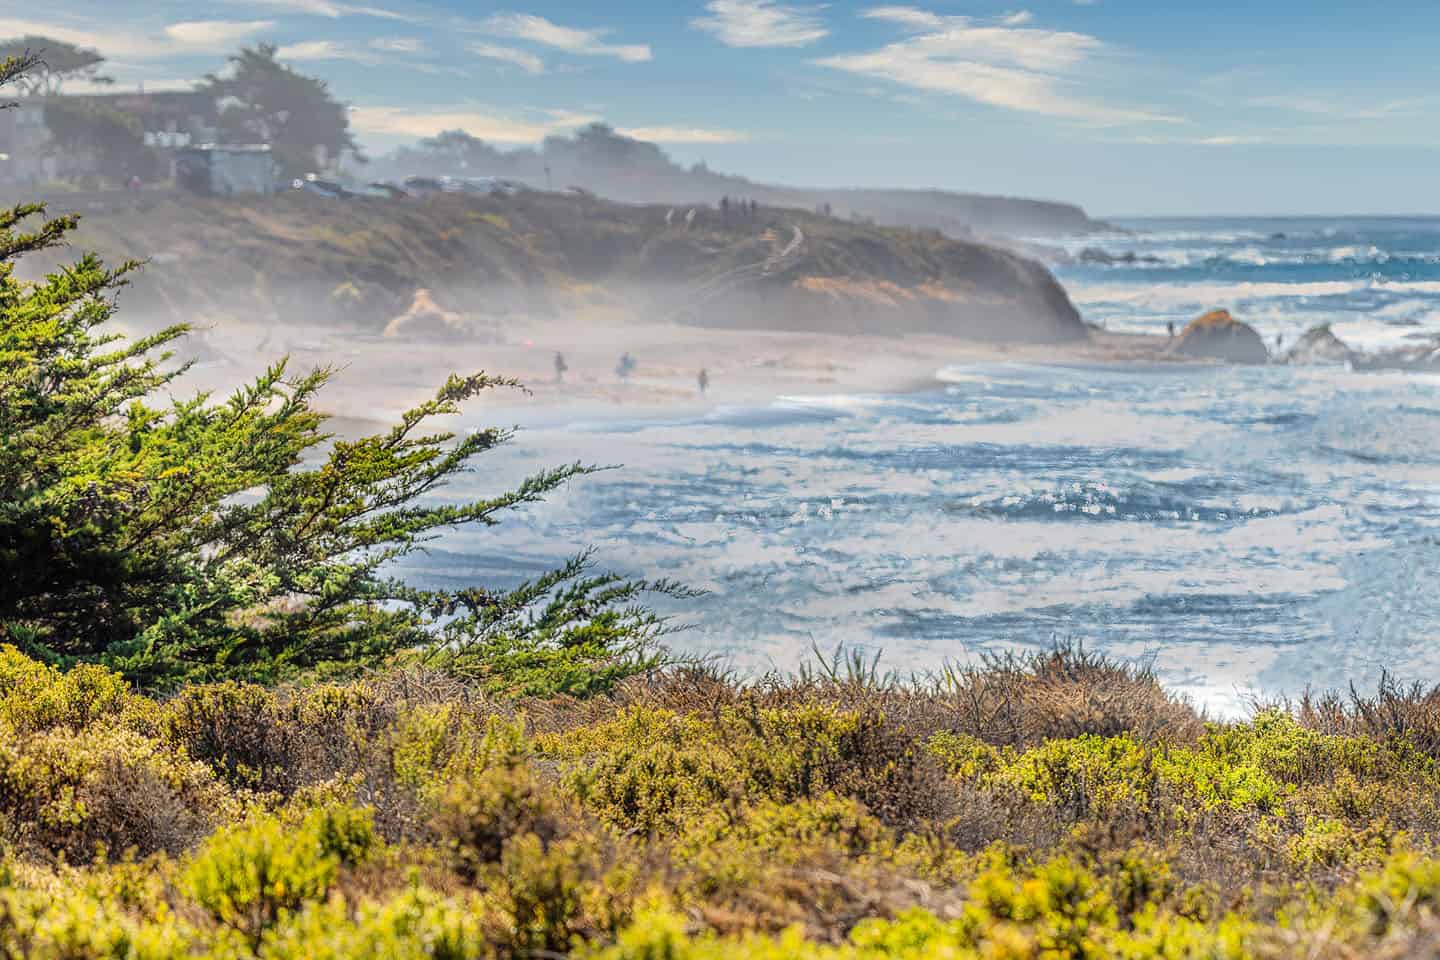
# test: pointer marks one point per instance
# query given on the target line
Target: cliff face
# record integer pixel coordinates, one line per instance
(884, 281)
(360, 263)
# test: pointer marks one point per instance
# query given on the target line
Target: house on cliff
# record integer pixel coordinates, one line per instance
(63, 137)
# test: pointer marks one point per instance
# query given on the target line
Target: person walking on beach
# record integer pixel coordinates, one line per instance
(703, 381)
(560, 366)
(625, 367)
(1171, 328)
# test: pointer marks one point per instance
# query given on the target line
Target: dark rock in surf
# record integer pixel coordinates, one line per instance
(1219, 336)
(1317, 346)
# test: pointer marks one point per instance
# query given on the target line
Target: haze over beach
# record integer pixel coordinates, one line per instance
(730, 478)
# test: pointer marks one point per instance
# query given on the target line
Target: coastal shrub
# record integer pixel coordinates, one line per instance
(418, 817)
(546, 899)
(1065, 692)
(252, 875)
(36, 697)
(103, 787)
(418, 924)
(233, 728)
(77, 925)
(1396, 714)
(476, 816)
(207, 539)
(821, 863)
(648, 769)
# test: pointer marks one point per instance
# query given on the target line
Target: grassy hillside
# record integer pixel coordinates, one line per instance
(1060, 807)
(361, 262)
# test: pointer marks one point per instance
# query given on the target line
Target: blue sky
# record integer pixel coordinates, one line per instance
(1126, 106)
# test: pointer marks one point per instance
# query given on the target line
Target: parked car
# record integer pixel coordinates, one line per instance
(423, 186)
(328, 189)
(384, 191)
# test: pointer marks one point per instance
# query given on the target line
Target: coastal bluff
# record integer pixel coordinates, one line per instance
(358, 265)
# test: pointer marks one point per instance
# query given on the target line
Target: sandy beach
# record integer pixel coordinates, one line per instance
(377, 378)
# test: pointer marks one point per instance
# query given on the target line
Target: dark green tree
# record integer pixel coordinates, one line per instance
(114, 138)
(202, 540)
(264, 101)
(55, 62)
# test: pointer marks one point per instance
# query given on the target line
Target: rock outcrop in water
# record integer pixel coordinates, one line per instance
(1319, 346)
(1219, 336)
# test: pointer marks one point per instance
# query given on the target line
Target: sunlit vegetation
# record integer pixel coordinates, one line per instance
(684, 815)
(225, 732)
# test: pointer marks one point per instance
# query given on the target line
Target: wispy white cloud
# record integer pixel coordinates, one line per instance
(212, 36)
(523, 59)
(324, 8)
(761, 23)
(1017, 19)
(311, 50)
(190, 37)
(1216, 140)
(685, 135)
(495, 127)
(1002, 65)
(401, 45)
(391, 52)
(587, 42)
(1338, 108)
(912, 17)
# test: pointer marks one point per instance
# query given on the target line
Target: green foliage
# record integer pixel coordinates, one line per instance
(268, 102)
(251, 876)
(650, 770)
(115, 139)
(415, 925)
(408, 815)
(54, 63)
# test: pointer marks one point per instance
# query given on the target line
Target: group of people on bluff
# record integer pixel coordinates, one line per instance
(624, 368)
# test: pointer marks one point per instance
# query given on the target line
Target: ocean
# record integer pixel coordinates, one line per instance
(1251, 532)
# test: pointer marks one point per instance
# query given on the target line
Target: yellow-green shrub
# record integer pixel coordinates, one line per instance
(36, 697)
(251, 875)
(649, 770)
(415, 925)
(72, 791)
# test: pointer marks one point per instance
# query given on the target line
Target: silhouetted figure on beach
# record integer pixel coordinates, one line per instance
(703, 381)
(625, 367)
(560, 366)
(1171, 328)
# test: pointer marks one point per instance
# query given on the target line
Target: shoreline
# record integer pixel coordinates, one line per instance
(376, 378)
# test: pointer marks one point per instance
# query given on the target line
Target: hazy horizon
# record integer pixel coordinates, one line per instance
(1125, 109)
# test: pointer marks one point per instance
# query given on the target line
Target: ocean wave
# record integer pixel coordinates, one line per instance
(1215, 292)
(1153, 503)
(1219, 257)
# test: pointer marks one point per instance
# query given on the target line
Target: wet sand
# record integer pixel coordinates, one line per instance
(377, 378)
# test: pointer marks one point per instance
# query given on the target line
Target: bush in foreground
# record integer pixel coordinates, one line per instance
(827, 817)
(197, 539)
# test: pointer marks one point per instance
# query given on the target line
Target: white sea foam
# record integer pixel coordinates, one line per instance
(839, 402)
(1160, 295)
